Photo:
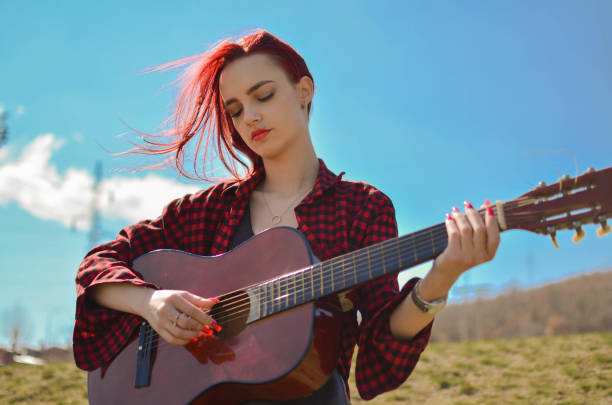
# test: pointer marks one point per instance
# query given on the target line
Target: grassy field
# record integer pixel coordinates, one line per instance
(565, 369)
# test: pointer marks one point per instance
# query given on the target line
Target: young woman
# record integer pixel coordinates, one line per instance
(253, 97)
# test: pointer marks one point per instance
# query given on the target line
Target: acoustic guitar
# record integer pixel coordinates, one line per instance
(280, 334)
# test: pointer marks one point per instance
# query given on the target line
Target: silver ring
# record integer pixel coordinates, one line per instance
(177, 318)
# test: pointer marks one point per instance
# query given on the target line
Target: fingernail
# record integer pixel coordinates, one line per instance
(467, 204)
(194, 340)
(487, 202)
(489, 210)
(216, 326)
(205, 330)
(448, 217)
(455, 209)
(210, 332)
(216, 300)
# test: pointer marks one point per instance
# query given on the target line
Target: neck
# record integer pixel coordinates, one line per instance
(293, 171)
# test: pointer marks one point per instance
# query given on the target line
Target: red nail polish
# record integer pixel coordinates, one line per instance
(489, 210)
(194, 340)
(216, 326)
(448, 217)
(467, 204)
(216, 300)
(487, 202)
(455, 209)
(210, 332)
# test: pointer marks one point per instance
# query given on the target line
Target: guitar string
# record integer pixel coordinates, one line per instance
(235, 311)
(375, 258)
(232, 310)
(329, 272)
(333, 265)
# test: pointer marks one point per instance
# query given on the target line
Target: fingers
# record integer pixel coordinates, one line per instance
(179, 316)
(472, 240)
(479, 235)
(465, 229)
(194, 308)
(493, 237)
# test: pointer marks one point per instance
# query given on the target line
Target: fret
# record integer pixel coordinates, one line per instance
(262, 310)
(399, 253)
(354, 268)
(333, 272)
(343, 272)
(285, 293)
(321, 277)
(384, 259)
(275, 295)
(303, 287)
(312, 281)
(433, 244)
(369, 263)
(267, 300)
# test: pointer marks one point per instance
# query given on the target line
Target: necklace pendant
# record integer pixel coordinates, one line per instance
(276, 220)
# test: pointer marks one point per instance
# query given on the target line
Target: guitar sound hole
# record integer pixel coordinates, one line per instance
(231, 313)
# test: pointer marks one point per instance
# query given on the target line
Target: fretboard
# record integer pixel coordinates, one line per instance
(347, 271)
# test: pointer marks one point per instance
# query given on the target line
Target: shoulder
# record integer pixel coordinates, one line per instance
(362, 195)
(219, 194)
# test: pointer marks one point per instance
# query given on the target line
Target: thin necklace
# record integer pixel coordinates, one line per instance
(276, 219)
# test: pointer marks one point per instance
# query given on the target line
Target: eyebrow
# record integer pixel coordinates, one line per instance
(250, 90)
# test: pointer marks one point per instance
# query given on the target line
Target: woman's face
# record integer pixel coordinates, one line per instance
(258, 95)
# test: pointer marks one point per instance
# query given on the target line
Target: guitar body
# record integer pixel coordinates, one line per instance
(285, 356)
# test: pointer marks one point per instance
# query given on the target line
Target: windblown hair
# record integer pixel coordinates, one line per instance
(199, 115)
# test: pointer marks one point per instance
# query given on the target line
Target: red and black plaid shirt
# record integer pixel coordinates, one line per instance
(338, 216)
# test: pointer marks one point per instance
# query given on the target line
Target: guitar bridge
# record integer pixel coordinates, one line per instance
(144, 362)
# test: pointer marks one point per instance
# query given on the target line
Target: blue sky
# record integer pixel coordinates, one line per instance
(434, 103)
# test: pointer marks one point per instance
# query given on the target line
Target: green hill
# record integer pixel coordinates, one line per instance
(563, 369)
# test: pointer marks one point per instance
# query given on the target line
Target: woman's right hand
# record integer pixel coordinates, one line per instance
(179, 316)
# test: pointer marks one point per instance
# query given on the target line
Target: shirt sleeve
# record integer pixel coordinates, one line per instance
(99, 332)
(383, 362)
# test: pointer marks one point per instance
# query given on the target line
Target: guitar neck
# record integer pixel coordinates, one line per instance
(347, 271)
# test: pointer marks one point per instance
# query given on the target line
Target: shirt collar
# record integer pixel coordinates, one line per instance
(325, 180)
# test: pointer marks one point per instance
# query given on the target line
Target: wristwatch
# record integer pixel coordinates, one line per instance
(427, 307)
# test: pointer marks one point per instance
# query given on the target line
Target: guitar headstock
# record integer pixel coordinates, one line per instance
(569, 203)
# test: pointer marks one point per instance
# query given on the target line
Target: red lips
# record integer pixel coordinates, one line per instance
(259, 134)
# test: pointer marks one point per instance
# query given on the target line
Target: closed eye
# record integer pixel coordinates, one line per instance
(269, 96)
(265, 98)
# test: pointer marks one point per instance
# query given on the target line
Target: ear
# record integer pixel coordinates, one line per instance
(305, 90)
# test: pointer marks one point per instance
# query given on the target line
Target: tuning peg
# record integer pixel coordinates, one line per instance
(541, 184)
(603, 229)
(578, 235)
(553, 235)
(579, 232)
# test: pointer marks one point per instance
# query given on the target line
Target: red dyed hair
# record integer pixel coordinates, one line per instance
(199, 111)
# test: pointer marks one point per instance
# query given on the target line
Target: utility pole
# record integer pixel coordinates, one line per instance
(96, 231)
(3, 127)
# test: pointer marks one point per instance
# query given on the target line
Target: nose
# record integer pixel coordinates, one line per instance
(251, 116)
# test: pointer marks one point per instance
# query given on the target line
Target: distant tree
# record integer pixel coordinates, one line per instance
(16, 325)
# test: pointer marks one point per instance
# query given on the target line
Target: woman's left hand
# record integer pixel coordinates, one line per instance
(471, 241)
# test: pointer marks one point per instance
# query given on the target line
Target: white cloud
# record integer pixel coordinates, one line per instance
(5, 152)
(34, 183)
